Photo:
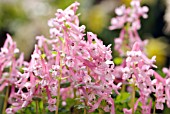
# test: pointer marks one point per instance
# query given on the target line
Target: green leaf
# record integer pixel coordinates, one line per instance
(80, 85)
(2, 96)
(6, 69)
(122, 98)
(65, 85)
(81, 106)
(36, 99)
(21, 69)
(79, 99)
(161, 73)
(41, 105)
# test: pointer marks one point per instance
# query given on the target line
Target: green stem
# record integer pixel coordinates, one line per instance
(123, 88)
(85, 111)
(22, 111)
(37, 107)
(5, 100)
(133, 98)
(75, 96)
(58, 95)
(154, 110)
(43, 110)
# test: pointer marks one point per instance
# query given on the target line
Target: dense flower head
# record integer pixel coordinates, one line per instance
(88, 63)
(138, 68)
(167, 86)
(129, 16)
(67, 58)
(138, 71)
(8, 63)
(85, 64)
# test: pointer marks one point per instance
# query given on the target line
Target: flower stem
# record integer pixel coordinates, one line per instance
(123, 88)
(5, 100)
(133, 98)
(154, 110)
(58, 96)
(43, 110)
(37, 107)
(75, 96)
(85, 111)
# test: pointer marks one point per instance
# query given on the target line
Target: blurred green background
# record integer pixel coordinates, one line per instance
(25, 19)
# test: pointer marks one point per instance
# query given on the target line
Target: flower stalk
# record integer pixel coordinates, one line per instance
(5, 100)
(154, 110)
(58, 96)
(133, 98)
(85, 111)
(43, 110)
(37, 107)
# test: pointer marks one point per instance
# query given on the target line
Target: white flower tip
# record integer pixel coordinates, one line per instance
(154, 82)
(119, 84)
(16, 50)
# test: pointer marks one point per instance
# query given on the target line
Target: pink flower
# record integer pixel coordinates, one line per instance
(128, 18)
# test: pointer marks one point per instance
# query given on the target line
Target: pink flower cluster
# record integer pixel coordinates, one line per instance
(138, 72)
(10, 70)
(65, 58)
(70, 66)
(128, 20)
(137, 68)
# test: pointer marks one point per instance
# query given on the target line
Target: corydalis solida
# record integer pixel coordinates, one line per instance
(85, 65)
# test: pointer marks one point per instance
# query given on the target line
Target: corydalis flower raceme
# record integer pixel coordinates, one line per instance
(9, 65)
(71, 63)
(138, 72)
(85, 65)
(128, 20)
(86, 61)
(10, 72)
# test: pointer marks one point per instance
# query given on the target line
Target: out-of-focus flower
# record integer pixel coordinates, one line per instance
(157, 47)
(128, 20)
(97, 17)
(126, 2)
(167, 17)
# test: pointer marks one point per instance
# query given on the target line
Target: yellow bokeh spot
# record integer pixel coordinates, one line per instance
(126, 2)
(158, 48)
(96, 19)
